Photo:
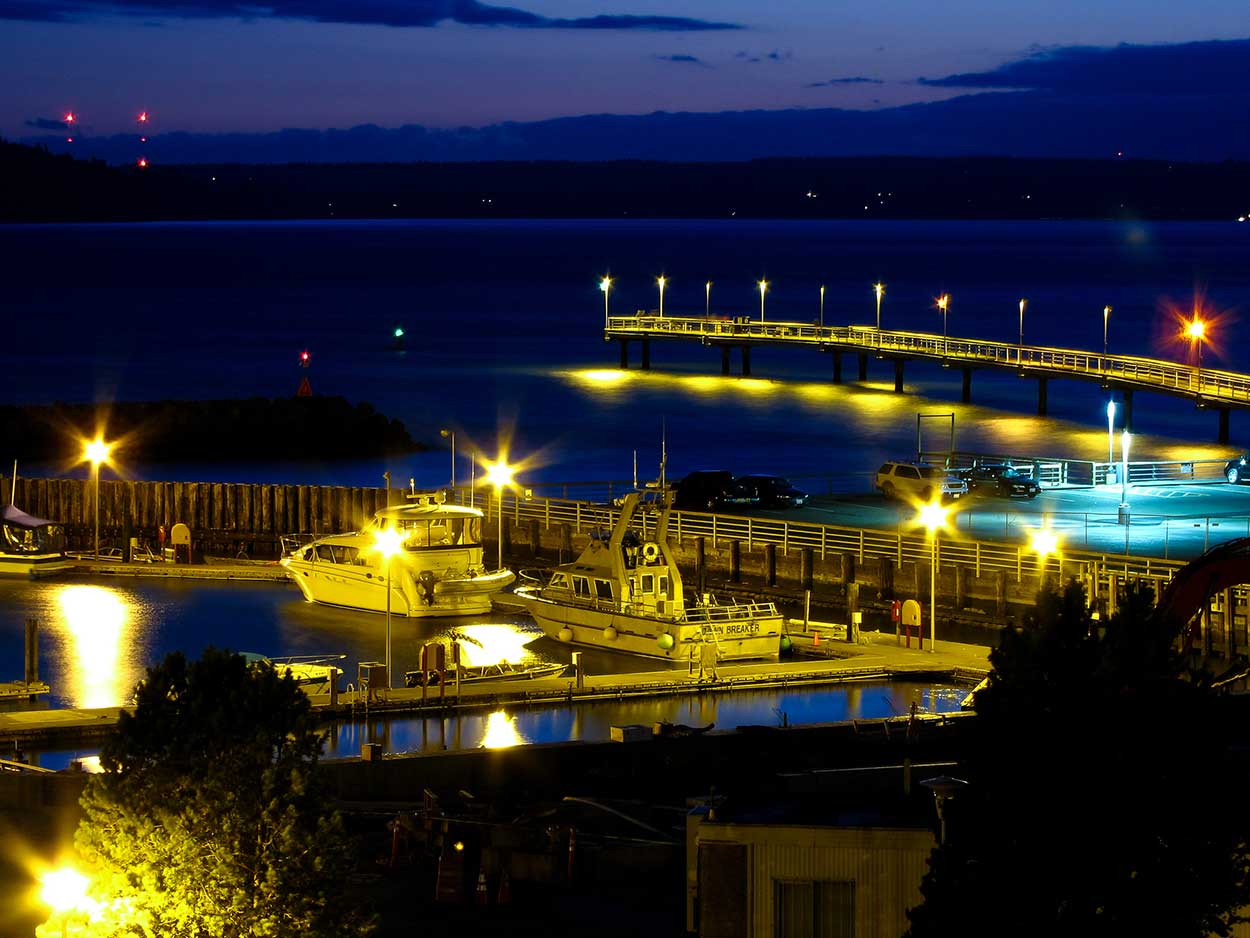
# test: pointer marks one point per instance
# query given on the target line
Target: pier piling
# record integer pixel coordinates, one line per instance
(724, 359)
(746, 361)
(837, 367)
(965, 393)
(863, 366)
(1223, 434)
(1041, 397)
(898, 376)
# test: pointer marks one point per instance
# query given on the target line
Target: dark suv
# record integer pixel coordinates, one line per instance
(773, 491)
(999, 479)
(709, 490)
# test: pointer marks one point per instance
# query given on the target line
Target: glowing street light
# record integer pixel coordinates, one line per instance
(1106, 315)
(1043, 542)
(879, 289)
(822, 306)
(65, 891)
(450, 435)
(661, 280)
(1124, 509)
(1022, 303)
(707, 301)
(943, 303)
(1110, 432)
(96, 452)
(388, 542)
(499, 475)
(763, 285)
(605, 285)
(933, 517)
(1196, 331)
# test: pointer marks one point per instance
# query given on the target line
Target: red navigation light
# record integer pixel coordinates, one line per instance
(143, 117)
(143, 164)
(69, 117)
(69, 139)
(143, 139)
(303, 357)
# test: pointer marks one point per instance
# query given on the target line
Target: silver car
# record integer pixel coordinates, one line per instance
(918, 481)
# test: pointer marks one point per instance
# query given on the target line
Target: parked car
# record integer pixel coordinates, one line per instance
(999, 479)
(918, 480)
(773, 491)
(1235, 470)
(710, 490)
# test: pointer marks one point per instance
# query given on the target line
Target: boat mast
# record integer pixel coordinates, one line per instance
(13, 490)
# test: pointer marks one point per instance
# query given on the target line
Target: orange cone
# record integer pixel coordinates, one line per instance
(815, 639)
(482, 898)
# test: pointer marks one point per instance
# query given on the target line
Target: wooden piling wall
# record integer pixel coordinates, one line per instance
(224, 517)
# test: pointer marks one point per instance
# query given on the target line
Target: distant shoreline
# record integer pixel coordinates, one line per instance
(37, 186)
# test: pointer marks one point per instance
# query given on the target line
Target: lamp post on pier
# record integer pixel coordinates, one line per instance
(96, 452)
(707, 300)
(1106, 315)
(499, 475)
(943, 303)
(822, 306)
(661, 280)
(763, 285)
(1110, 431)
(388, 542)
(1197, 333)
(605, 285)
(879, 289)
(933, 516)
(1020, 351)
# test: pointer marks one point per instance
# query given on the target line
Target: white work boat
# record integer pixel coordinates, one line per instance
(626, 594)
(312, 674)
(30, 546)
(501, 671)
(438, 571)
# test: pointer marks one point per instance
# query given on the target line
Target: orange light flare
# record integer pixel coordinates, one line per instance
(143, 163)
(1195, 323)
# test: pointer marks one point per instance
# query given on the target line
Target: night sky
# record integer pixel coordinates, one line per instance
(216, 66)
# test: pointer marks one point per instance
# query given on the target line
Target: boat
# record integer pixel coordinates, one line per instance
(30, 546)
(438, 572)
(313, 674)
(502, 671)
(625, 593)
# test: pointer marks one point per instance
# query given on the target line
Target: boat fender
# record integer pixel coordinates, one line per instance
(610, 634)
(565, 634)
(651, 552)
(786, 644)
(664, 640)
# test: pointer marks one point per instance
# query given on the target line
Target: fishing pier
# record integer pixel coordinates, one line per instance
(1206, 387)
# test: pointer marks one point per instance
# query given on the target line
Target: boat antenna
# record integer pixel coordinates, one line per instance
(13, 490)
(663, 451)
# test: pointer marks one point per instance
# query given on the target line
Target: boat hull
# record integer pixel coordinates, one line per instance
(34, 565)
(349, 587)
(641, 635)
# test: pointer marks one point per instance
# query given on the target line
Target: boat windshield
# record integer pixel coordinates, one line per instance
(441, 532)
(45, 539)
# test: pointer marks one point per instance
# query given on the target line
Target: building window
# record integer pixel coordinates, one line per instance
(807, 909)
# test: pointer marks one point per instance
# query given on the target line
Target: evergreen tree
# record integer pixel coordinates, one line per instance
(208, 819)
(1104, 793)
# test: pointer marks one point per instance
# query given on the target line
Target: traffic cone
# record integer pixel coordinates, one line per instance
(505, 889)
(815, 639)
(482, 897)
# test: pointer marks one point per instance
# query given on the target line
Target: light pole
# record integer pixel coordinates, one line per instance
(451, 436)
(65, 890)
(933, 517)
(763, 285)
(944, 301)
(1197, 332)
(879, 289)
(1044, 542)
(605, 285)
(1124, 509)
(707, 301)
(1106, 315)
(388, 542)
(499, 474)
(1110, 431)
(1020, 352)
(822, 306)
(661, 280)
(97, 451)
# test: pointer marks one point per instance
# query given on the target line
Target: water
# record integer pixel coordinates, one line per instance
(504, 326)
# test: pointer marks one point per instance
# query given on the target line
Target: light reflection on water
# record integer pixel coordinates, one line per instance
(96, 630)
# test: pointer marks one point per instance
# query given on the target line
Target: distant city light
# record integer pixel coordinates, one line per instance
(399, 332)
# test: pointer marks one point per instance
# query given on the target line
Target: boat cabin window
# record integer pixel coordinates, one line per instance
(648, 583)
(310, 554)
(440, 532)
(560, 580)
(603, 589)
(325, 552)
(664, 587)
(581, 586)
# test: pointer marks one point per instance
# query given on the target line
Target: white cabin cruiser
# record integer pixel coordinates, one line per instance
(438, 571)
(626, 594)
(30, 546)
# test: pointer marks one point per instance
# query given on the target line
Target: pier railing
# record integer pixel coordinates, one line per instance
(1188, 380)
(1052, 470)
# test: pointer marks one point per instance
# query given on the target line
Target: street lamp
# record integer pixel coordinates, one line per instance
(1110, 432)
(707, 301)
(65, 890)
(943, 302)
(499, 474)
(388, 542)
(96, 452)
(879, 289)
(661, 280)
(933, 516)
(763, 285)
(605, 285)
(1197, 332)
(1020, 353)
(1124, 509)
(451, 435)
(1106, 315)
(822, 306)
(1044, 542)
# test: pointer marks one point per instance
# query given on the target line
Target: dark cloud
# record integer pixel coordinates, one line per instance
(401, 13)
(683, 59)
(851, 80)
(1214, 67)
(47, 123)
(777, 55)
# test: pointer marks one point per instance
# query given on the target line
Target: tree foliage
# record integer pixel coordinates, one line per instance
(1104, 796)
(208, 819)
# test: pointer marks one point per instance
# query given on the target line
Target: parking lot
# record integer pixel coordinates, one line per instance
(1173, 521)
